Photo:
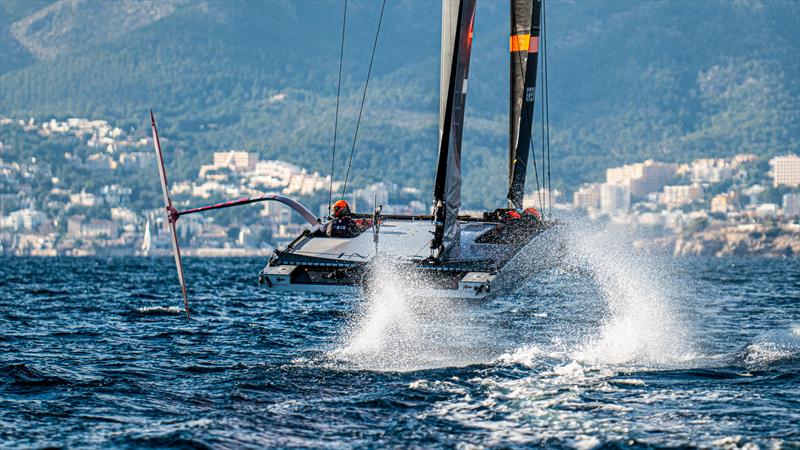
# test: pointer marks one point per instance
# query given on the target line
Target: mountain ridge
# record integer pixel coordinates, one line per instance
(628, 81)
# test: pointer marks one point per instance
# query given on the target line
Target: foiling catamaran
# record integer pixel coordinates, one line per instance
(458, 256)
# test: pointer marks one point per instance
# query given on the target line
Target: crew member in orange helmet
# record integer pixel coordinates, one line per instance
(343, 224)
(510, 216)
(533, 212)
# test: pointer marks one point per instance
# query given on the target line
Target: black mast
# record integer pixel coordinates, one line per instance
(524, 43)
(447, 185)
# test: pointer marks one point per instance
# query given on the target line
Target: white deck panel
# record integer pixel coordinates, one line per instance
(398, 239)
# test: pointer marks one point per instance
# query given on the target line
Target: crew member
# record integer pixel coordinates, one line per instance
(343, 224)
(510, 216)
(533, 212)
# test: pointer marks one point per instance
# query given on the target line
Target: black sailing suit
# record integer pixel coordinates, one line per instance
(342, 227)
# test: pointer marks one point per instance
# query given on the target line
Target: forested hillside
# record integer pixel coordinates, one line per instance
(628, 80)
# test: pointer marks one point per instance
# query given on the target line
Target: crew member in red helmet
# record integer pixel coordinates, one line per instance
(343, 224)
(533, 212)
(510, 216)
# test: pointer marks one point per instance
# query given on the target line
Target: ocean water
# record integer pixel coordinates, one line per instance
(605, 349)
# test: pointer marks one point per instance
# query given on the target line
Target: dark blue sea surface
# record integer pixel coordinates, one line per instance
(605, 350)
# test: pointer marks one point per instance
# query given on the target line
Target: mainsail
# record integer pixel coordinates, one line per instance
(524, 46)
(457, 26)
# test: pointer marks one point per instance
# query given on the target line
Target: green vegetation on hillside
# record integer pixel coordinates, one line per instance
(628, 81)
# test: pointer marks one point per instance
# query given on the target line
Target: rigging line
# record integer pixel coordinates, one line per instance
(336, 120)
(547, 106)
(536, 176)
(528, 118)
(363, 98)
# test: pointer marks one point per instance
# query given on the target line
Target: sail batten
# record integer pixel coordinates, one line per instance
(524, 52)
(457, 29)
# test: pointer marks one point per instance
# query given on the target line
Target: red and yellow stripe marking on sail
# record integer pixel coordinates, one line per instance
(524, 43)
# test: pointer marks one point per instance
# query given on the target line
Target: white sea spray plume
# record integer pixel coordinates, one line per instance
(644, 325)
(397, 328)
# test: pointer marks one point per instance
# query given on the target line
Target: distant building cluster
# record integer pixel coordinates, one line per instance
(729, 193)
(671, 195)
(63, 225)
(234, 172)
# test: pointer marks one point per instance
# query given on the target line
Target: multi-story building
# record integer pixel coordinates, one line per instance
(124, 216)
(137, 160)
(78, 228)
(114, 194)
(614, 198)
(785, 170)
(74, 226)
(235, 160)
(642, 178)
(681, 195)
(304, 183)
(587, 197)
(273, 174)
(791, 204)
(25, 219)
(723, 203)
(83, 198)
(711, 170)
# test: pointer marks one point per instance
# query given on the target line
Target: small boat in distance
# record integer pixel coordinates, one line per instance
(457, 256)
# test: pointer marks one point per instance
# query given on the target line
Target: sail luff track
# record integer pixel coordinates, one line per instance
(457, 28)
(524, 51)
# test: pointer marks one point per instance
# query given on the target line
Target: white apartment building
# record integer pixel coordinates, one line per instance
(642, 178)
(791, 204)
(711, 170)
(614, 198)
(235, 160)
(587, 197)
(785, 171)
(26, 219)
(304, 183)
(77, 228)
(83, 198)
(139, 160)
(681, 195)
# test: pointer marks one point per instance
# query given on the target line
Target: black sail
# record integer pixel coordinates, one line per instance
(457, 26)
(524, 47)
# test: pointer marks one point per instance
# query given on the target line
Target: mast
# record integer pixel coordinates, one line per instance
(457, 26)
(524, 49)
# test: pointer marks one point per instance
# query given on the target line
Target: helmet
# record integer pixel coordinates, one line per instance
(341, 208)
(533, 212)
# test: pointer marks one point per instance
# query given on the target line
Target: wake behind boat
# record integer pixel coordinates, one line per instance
(457, 256)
